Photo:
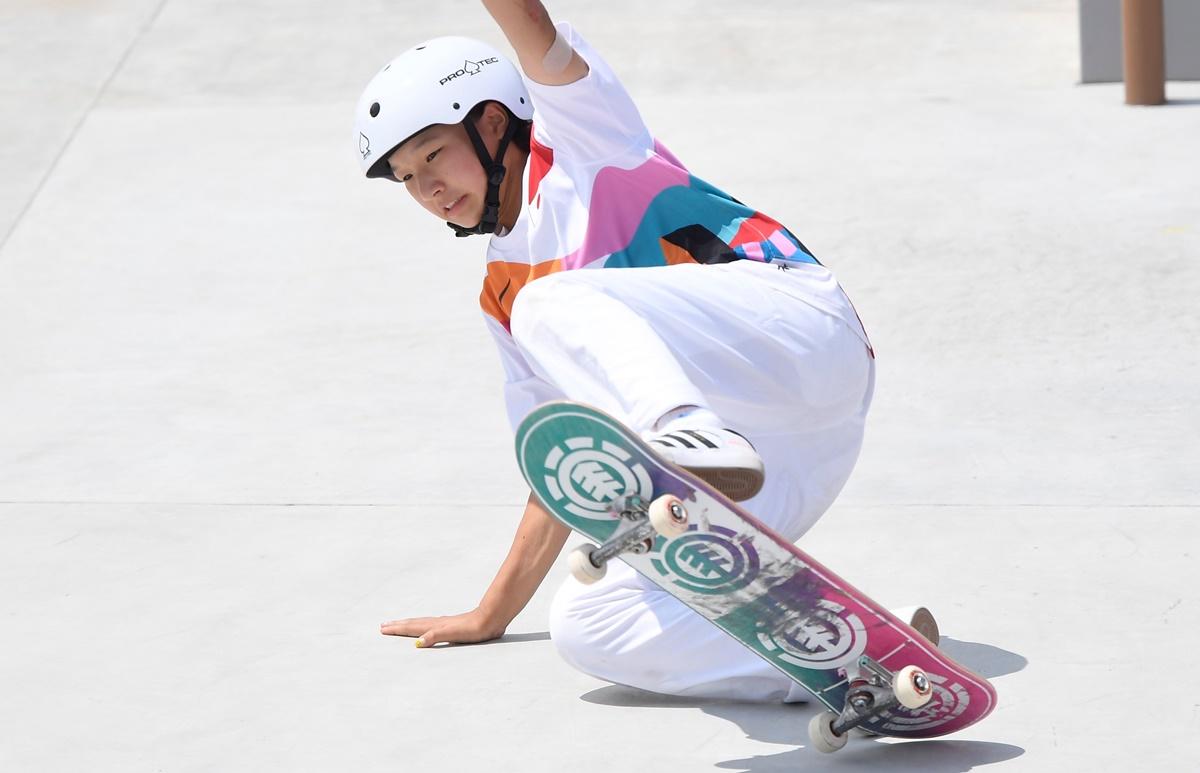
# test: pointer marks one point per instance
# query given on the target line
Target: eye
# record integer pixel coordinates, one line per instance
(406, 178)
(432, 155)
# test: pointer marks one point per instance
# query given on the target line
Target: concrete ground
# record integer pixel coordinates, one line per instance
(248, 409)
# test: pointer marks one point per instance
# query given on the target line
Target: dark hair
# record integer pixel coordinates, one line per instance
(520, 138)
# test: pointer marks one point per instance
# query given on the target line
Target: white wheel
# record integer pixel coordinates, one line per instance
(668, 516)
(912, 687)
(580, 562)
(820, 733)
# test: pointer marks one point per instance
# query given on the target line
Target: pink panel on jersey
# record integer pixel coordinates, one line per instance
(782, 244)
(620, 199)
(753, 250)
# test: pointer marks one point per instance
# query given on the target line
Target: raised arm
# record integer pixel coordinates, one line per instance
(544, 57)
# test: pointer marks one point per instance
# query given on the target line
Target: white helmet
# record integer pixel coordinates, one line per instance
(437, 82)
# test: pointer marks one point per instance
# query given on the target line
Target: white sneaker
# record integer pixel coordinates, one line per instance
(720, 457)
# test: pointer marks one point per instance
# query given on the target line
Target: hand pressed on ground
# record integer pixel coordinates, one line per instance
(468, 628)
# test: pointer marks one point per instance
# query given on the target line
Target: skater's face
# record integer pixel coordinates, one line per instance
(441, 170)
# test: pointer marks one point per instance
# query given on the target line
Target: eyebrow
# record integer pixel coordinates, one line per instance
(422, 142)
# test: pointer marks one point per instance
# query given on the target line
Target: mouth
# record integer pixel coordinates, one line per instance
(453, 206)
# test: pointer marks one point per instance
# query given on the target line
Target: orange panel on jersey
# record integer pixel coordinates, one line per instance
(674, 253)
(505, 280)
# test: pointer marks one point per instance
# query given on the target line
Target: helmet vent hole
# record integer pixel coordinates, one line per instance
(420, 48)
(374, 109)
(522, 100)
(457, 106)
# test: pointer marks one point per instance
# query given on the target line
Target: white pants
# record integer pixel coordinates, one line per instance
(745, 340)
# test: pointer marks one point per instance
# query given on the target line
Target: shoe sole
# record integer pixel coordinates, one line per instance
(737, 483)
(924, 624)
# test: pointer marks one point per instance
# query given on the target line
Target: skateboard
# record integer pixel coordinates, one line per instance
(869, 669)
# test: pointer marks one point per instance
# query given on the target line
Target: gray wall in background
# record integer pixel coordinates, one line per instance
(1100, 40)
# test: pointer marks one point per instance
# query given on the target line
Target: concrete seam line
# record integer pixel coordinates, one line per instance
(120, 65)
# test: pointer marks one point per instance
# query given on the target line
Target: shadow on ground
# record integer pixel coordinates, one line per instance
(514, 638)
(936, 756)
(984, 659)
(787, 725)
(508, 638)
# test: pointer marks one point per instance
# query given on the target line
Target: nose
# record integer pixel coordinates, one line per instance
(430, 187)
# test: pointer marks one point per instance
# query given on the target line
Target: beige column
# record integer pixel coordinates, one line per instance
(1145, 64)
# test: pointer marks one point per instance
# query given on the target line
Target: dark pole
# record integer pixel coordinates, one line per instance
(1145, 67)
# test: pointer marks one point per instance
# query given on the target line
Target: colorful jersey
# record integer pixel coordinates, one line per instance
(602, 193)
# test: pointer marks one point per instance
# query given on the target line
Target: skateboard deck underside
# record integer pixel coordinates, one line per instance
(729, 567)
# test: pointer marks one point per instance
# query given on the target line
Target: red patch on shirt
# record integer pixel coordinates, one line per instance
(756, 228)
(541, 158)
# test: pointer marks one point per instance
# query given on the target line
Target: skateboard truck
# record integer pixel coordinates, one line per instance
(872, 692)
(665, 516)
(873, 689)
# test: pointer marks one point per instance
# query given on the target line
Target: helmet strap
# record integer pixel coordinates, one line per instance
(494, 168)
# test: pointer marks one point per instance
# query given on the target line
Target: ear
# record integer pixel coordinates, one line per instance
(494, 120)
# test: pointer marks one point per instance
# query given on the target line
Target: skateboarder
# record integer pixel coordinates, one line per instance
(618, 279)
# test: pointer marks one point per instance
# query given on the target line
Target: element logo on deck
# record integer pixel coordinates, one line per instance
(709, 562)
(949, 701)
(589, 473)
(828, 638)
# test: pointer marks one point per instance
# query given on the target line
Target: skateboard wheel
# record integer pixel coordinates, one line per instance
(912, 687)
(668, 516)
(582, 568)
(820, 733)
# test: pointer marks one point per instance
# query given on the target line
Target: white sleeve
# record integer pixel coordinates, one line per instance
(523, 389)
(593, 119)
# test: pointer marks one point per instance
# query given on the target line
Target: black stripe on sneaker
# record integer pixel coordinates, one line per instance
(700, 437)
(680, 440)
(743, 437)
(662, 442)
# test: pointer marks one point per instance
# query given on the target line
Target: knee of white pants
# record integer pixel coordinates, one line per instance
(641, 637)
(600, 629)
(612, 636)
(534, 304)
(570, 635)
(565, 635)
